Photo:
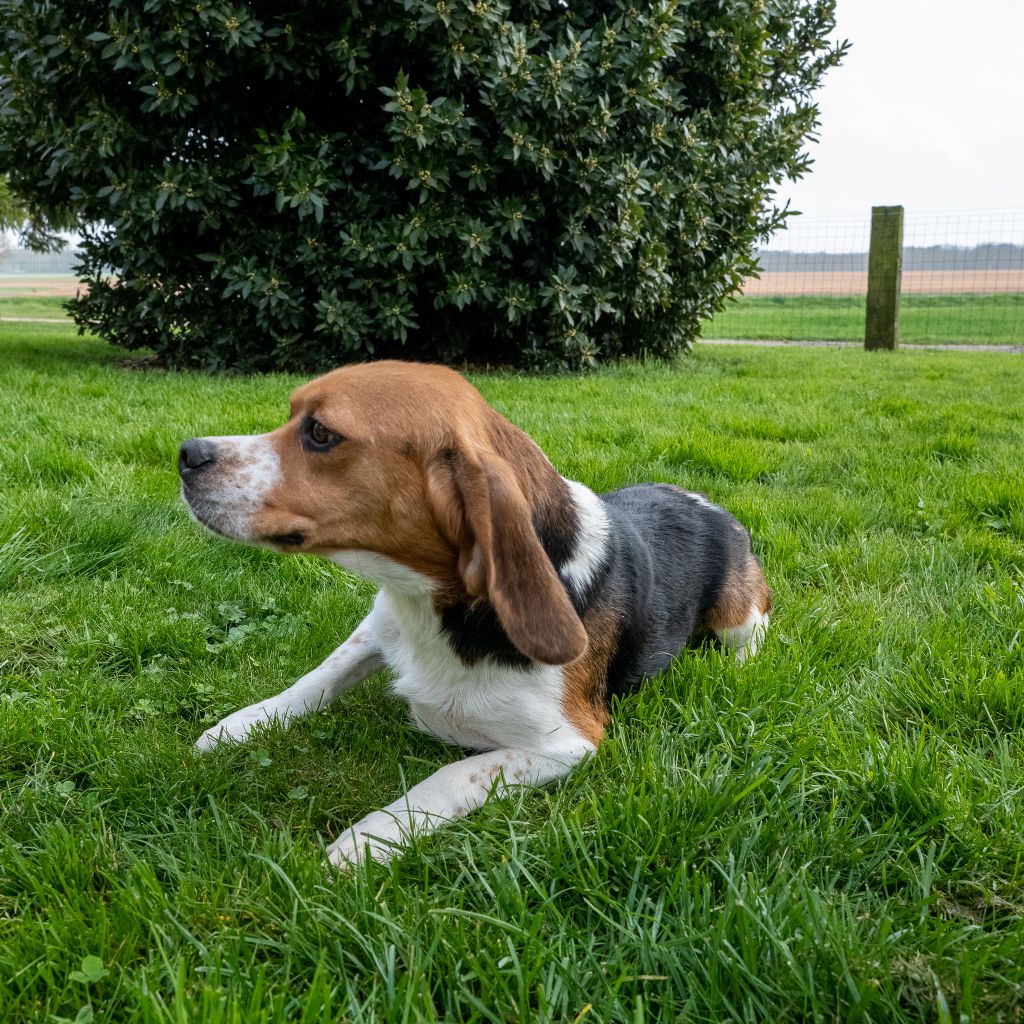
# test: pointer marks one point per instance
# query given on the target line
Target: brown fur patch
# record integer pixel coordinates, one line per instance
(501, 557)
(586, 678)
(744, 588)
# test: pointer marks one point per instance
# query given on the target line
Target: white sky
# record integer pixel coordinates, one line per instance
(927, 111)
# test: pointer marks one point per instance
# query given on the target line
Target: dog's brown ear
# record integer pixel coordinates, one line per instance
(482, 509)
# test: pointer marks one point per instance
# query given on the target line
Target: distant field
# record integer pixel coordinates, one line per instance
(951, 282)
(24, 285)
(961, 319)
(840, 282)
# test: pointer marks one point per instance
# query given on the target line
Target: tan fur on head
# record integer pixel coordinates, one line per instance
(428, 476)
(367, 492)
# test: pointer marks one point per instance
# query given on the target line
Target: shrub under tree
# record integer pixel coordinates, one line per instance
(292, 185)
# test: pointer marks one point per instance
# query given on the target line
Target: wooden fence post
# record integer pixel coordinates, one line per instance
(885, 269)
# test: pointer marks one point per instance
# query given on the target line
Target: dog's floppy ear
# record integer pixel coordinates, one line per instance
(482, 509)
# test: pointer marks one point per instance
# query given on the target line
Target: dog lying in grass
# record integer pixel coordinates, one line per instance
(513, 603)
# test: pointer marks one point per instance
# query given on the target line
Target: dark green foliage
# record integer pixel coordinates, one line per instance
(294, 185)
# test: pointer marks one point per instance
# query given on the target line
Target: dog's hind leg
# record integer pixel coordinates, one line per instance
(744, 638)
(358, 657)
(739, 619)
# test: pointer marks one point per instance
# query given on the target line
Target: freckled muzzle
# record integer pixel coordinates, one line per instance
(225, 481)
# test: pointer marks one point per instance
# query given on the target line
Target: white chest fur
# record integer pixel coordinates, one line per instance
(483, 706)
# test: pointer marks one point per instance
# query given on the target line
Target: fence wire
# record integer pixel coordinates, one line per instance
(963, 281)
(33, 285)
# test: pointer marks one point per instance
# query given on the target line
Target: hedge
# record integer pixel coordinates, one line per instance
(284, 185)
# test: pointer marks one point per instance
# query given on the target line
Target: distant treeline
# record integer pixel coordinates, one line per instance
(990, 256)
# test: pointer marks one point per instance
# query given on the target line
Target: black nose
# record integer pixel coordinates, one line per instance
(194, 456)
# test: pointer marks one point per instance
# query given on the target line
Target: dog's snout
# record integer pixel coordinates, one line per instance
(194, 456)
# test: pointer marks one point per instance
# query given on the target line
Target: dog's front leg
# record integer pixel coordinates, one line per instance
(358, 657)
(451, 792)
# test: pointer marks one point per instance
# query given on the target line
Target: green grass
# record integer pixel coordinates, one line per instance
(831, 832)
(960, 319)
(33, 307)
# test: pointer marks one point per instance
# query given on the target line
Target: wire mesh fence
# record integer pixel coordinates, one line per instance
(34, 284)
(962, 282)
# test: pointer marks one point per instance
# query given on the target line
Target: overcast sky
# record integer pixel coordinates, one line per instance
(926, 112)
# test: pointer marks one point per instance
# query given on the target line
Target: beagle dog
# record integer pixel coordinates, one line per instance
(513, 603)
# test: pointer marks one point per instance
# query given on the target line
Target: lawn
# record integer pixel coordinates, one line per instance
(959, 319)
(830, 832)
(33, 307)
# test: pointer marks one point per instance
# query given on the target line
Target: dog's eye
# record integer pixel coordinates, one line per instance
(320, 437)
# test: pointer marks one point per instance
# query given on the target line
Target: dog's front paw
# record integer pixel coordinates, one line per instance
(233, 729)
(352, 847)
(209, 739)
(377, 836)
(342, 855)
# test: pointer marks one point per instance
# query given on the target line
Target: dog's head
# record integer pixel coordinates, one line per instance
(402, 472)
